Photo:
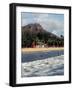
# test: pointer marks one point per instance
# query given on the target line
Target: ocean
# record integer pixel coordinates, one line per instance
(42, 64)
(28, 57)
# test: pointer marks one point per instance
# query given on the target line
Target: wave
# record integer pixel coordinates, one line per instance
(46, 67)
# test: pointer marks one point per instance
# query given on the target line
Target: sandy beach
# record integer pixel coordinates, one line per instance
(27, 50)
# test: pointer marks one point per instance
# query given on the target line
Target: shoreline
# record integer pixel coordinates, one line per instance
(30, 50)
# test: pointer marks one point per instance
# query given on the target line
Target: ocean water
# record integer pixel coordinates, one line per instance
(45, 66)
(28, 57)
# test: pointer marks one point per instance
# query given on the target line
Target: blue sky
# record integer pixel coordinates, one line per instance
(51, 22)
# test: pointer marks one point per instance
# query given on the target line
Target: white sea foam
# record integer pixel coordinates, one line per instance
(46, 67)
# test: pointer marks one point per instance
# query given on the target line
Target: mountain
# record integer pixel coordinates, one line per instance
(36, 29)
(34, 34)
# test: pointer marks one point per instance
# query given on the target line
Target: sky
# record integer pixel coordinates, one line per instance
(51, 22)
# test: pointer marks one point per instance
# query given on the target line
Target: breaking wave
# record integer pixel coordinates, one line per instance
(46, 67)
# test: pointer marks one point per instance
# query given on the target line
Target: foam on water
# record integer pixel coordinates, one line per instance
(46, 67)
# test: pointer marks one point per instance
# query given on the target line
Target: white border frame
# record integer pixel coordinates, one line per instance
(24, 80)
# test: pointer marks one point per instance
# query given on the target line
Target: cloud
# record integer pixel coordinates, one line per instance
(54, 32)
(50, 22)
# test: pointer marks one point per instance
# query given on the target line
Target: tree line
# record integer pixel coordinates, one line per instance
(44, 38)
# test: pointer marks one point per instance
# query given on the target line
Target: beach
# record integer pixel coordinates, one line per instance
(29, 50)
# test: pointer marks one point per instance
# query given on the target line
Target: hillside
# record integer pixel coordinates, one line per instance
(35, 34)
(36, 29)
